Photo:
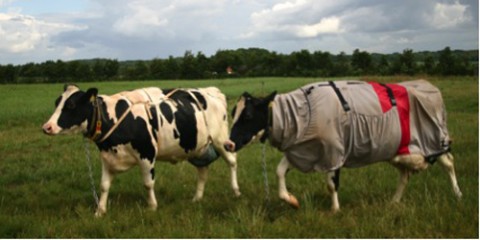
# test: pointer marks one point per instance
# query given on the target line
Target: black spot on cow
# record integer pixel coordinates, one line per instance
(152, 173)
(166, 91)
(120, 108)
(185, 120)
(201, 99)
(176, 135)
(166, 112)
(154, 121)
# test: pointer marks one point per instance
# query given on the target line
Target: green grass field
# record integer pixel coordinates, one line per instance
(45, 190)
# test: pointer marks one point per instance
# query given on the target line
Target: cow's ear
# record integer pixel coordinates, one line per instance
(270, 97)
(90, 95)
(246, 95)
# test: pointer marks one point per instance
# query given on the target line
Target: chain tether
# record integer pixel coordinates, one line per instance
(264, 165)
(90, 172)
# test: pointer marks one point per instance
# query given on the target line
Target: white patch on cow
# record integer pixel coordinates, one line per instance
(120, 158)
(239, 109)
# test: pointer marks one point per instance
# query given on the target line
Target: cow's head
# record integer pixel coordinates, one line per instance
(72, 109)
(250, 119)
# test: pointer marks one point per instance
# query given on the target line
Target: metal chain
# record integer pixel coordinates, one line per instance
(264, 165)
(90, 172)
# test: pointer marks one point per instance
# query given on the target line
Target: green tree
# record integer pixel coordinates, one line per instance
(361, 62)
(446, 62)
(429, 65)
(8, 74)
(323, 63)
(188, 68)
(383, 66)
(341, 66)
(111, 68)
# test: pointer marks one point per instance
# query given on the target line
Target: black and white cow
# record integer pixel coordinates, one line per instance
(140, 126)
(329, 125)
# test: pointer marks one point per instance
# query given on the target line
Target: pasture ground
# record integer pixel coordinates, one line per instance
(45, 190)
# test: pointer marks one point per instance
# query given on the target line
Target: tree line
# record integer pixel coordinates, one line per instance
(252, 62)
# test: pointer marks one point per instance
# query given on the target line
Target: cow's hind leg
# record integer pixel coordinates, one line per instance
(407, 164)
(148, 174)
(333, 183)
(202, 179)
(404, 176)
(283, 193)
(446, 160)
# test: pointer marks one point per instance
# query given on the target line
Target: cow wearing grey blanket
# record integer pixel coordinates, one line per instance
(329, 125)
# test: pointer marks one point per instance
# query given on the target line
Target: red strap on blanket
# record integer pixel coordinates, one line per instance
(403, 106)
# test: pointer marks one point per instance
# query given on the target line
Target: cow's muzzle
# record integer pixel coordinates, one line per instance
(229, 146)
(48, 129)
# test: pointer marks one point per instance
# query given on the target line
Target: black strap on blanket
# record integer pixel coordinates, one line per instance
(390, 94)
(345, 105)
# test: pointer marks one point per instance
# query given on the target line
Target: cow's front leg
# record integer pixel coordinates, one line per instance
(148, 173)
(333, 183)
(283, 193)
(231, 159)
(202, 179)
(106, 182)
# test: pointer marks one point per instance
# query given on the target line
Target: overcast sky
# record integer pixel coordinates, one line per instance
(40, 30)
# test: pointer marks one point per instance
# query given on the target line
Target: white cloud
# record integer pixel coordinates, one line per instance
(139, 20)
(326, 25)
(144, 29)
(22, 33)
(449, 15)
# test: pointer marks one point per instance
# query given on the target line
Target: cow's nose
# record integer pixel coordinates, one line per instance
(229, 146)
(47, 128)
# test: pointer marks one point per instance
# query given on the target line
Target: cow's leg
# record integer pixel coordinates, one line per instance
(404, 176)
(231, 159)
(148, 172)
(333, 183)
(106, 182)
(446, 160)
(202, 179)
(283, 193)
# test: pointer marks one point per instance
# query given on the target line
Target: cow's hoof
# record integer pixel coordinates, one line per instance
(196, 199)
(237, 193)
(99, 213)
(152, 208)
(293, 201)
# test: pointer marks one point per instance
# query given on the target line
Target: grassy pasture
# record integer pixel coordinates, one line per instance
(45, 190)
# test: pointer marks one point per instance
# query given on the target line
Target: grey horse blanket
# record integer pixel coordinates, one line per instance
(328, 125)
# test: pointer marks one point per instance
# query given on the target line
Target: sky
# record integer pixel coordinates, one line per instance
(41, 30)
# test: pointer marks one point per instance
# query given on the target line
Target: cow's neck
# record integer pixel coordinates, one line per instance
(268, 125)
(95, 120)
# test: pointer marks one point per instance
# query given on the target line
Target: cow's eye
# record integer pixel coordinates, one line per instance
(70, 105)
(248, 115)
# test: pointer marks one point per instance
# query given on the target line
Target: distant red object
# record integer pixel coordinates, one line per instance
(229, 70)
